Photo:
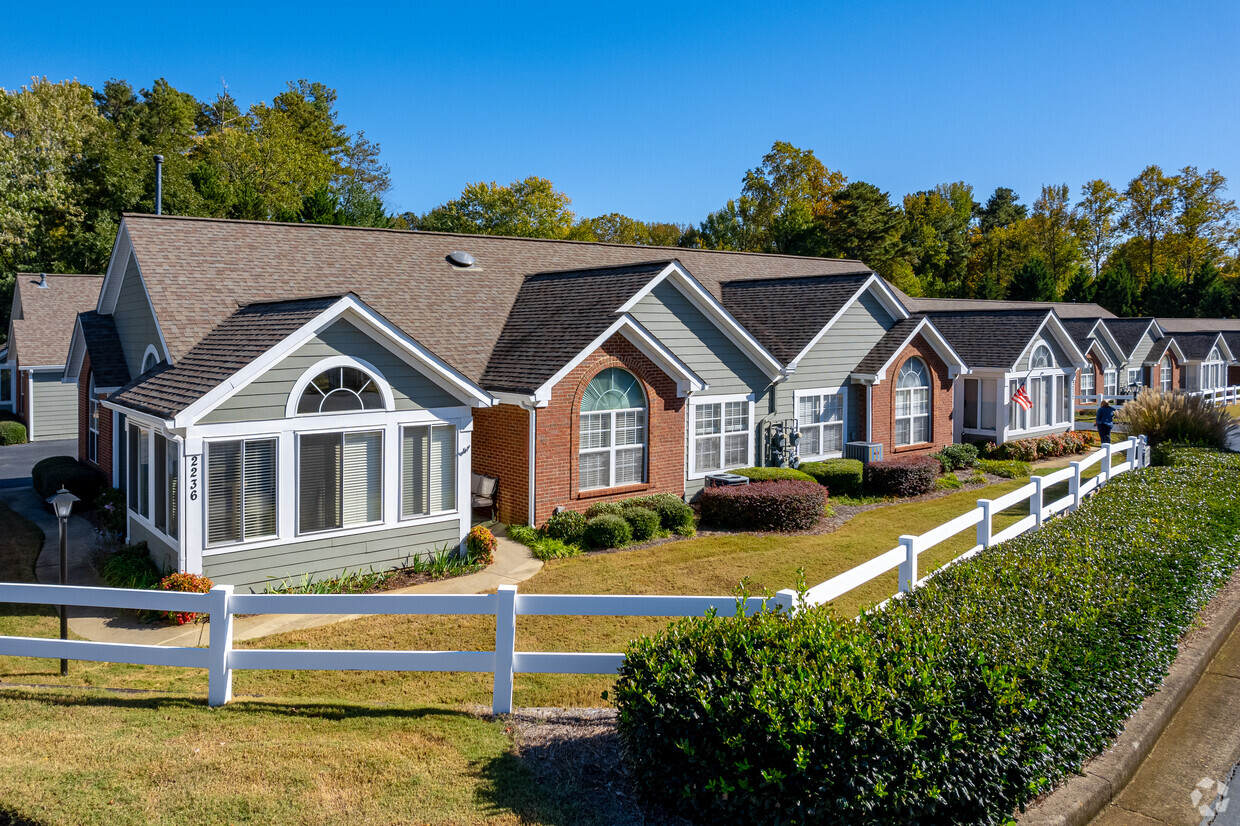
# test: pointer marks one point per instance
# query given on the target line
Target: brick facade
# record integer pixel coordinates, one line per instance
(556, 482)
(883, 411)
(501, 449)
(1097, 367)
(1156, 372)
(104, 447)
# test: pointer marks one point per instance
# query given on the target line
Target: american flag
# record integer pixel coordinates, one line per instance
(1022, 398)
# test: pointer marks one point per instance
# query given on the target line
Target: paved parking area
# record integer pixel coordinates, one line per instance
(17, 460)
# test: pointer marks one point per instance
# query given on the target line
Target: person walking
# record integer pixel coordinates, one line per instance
(1105, 420)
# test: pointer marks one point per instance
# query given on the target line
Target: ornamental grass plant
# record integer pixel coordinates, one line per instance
(1176, 417)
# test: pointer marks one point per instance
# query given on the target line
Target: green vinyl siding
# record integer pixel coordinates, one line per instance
(54, 406)
(163, 554)
(697, 341)
(135, 319)
(836, 355)
(267, 396)
(1142, 351)
(318, 558)
(1062, 359)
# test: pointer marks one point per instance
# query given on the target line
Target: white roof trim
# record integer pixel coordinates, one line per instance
(1107, 361)
(122, 248)
(1174, 347)
(380, 329)
(1107, 334)
(77, 350)
(1153, 323)
(1065, 339)
(701, 298)
(648, 345)
(883, 294)
(940, 345)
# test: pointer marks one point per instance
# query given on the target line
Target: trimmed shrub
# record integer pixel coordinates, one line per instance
(130, 567)
(607, 530)
(600, 508)
(841, 477)
(956, 457)
(82, 481)
(644, 522)
(1176, 417)
(902, 476)
(566, 526)
(1043, 447)
(770, 474)
(12, 433)
(985, 687)
(190, 583)
(481, 544)
(674, 514)
(782, 505)
(1006, 468)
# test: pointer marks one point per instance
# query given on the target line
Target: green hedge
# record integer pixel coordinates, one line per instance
(959, 704)
(1007, 468)
(607, 531)
(12, 433)
(841, 477)
(82, 481)
(771, 474)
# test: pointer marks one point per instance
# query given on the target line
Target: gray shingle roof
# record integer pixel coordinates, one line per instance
(1079, 329)
(887, 346)
(555, 316)
(1196, 346)
(198, 270)
(41, 336)
(107, 359)
(989, 338)
(784, 314)
(246, 334)
(1064, 309)
(1199, 325)
(1128, 331)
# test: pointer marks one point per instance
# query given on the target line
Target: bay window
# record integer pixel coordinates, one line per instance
(820, 418)
(339, 480)
(612, 426)
(428, 470)
(241, 490)
(913, 403)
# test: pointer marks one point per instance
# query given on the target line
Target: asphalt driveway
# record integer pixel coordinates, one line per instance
(17, 460)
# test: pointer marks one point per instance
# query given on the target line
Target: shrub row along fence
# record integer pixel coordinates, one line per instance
(221, 604)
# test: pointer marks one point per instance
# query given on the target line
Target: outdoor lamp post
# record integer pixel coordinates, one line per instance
(62, 502)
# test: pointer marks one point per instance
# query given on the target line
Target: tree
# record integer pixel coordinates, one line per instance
(1097, 220)
(863, 224)
(786, 192)
(1003, 209)
(1163, 296)
(1219, 300)
(1117, 290)
(532, 208)
(1149, 199)
(1081, 288)
(937, 235)
(1203, 219)
(1034, 281)
(1051, 229)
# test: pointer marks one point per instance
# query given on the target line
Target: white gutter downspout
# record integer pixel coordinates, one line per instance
(30, 405)
(533, 463)
(869, 413)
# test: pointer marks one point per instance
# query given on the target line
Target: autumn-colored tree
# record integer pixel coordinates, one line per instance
(937, 235)
(1204, 220)
(531, 208)
(1149, 203)
(1097, 223)
(1052, 232)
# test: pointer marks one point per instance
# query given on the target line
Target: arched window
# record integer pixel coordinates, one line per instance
(613, 431)
(150, 358)
(1041, 358)
(1213, 371)
(340, 390)
(913, 403)
(1164, 373)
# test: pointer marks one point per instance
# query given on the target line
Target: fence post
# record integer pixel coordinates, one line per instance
(1105, 473)
(1134, 451)
(908, 568)
(985, 528)
(505, 647)
(786, 600)
(1035, 501)
(1074, 485)
(220, 641)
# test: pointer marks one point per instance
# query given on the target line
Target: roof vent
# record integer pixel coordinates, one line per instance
(43, 285)
(460, 259)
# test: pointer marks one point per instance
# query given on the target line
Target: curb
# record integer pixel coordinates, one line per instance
(1082, 798)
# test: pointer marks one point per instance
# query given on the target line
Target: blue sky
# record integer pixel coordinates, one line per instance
(657, 109)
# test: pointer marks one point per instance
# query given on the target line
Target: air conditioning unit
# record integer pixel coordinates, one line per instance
(867, 452)
(714, 480)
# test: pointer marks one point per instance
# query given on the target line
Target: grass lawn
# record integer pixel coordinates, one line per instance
(311, 747)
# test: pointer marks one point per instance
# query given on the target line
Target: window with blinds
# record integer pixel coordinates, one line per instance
(428, 470)
(820, 421)
(340, 480)
(241, 490)
(720, 435)
(174, 480)
(139, 470)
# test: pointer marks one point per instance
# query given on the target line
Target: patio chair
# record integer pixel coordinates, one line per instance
(483, 491)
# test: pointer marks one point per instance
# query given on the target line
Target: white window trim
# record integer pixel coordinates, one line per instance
(313, 372)
(383, 488)
(400, 478)
(1165, 371)
(1110, 388)
(151, 350)
(1092, 383)
(696, 402)
(1057, 388)
(797, 395)
(981, 378)
(1129, 376)
(148, 522)
(1050, 355)
(93, 412)
(209, 547)
(895, 395)
(612, 447)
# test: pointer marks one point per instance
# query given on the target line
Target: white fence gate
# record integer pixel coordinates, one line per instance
(221, 659)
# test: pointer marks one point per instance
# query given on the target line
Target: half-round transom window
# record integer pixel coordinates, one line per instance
(1041, 358)
(340, 390)
(1215, 355)
(913, 374)
(613, 389)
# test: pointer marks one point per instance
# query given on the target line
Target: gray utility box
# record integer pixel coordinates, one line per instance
(867, 452)
(714, 480)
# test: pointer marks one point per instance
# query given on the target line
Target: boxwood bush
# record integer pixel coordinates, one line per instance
(600, 508)
(769, 474)
(82, 481)
(956, 457)
(982, 689)
(841, 477)
(902, 476)
(12, 433)
(566, 526)
(643, 521)
(674, 514)
(782, 505)
(607, 531)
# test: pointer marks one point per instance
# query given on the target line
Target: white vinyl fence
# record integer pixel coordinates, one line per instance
(221, 659)
(1220, 395)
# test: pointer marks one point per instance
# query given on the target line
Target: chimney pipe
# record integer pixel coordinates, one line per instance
(159, 184)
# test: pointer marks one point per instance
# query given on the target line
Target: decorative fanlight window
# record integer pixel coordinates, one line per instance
(613, 431)
(340, 390)
(1041, 358)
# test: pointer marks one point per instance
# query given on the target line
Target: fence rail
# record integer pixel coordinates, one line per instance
(503, 661)
(1220, 395)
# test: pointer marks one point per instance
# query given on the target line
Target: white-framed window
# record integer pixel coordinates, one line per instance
(1087, 382)
(1164, 374)
(428, 470)
(913, 403)
(1051, 396)
(1134, 376)
(92, 422)
(612, 425)
(139, 469)
(1041, 358)
(1213, 371)
(722, 434)
(1065, 398)
(980, 403)
(241, 487)
(340, 389)
(339, 480)
(1109, 382)
(821, 417)
(150, 358)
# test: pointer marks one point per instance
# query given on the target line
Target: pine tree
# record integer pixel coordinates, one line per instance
(1117, 291)
(1033, 282)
